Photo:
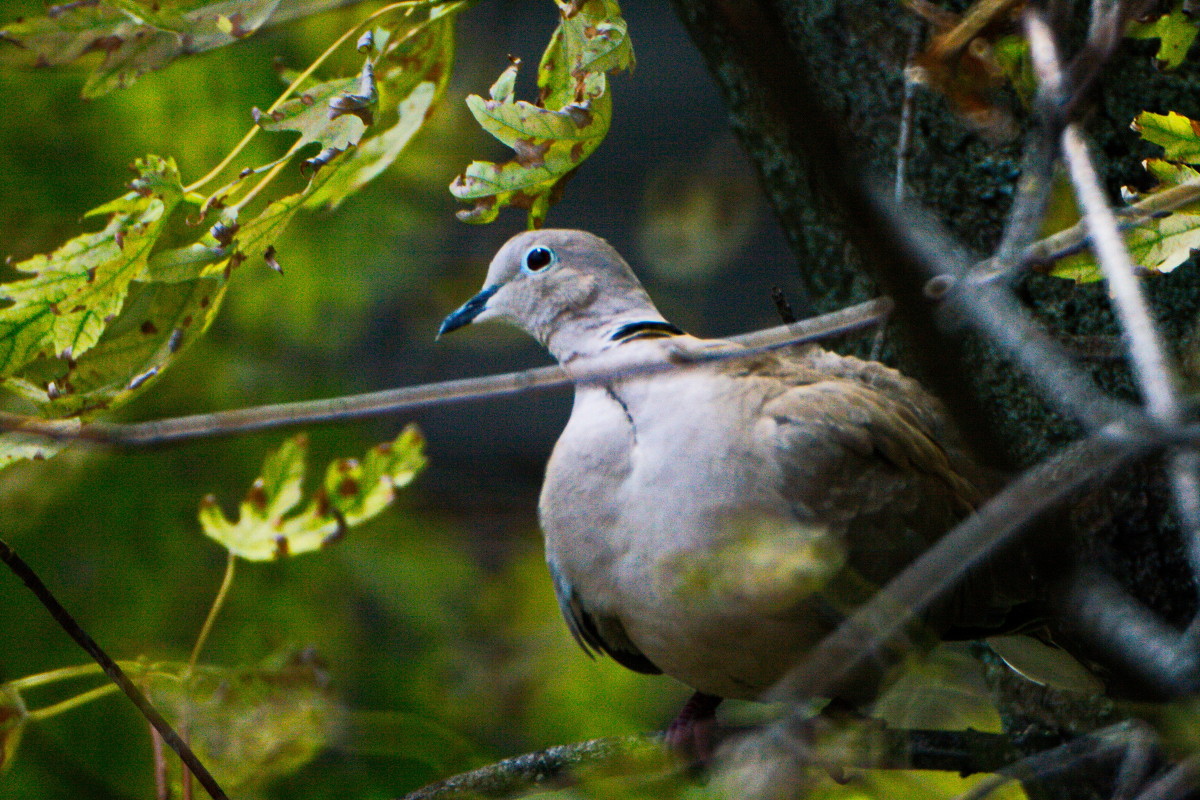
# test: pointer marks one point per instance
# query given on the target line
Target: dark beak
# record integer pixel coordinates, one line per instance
(468, 311)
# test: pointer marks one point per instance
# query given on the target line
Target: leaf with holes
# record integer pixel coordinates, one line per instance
(159, 323)
(1175, 32)
(73, 293)
(412, 73)
(257, 237)
(552, 137)
(353, 492)
(137, 37)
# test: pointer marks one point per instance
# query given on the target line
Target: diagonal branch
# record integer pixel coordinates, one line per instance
(111, 669)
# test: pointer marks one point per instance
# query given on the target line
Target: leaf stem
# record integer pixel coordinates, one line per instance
(72, 702)
(53, 676)
(303, 76)
(217, 604)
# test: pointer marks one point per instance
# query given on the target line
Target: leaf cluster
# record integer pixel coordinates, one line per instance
(552, 136)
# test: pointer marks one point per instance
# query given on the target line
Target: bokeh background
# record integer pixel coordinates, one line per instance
(435, 624)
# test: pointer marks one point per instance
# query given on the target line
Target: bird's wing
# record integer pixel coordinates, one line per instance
(597, 633)
(866, 465)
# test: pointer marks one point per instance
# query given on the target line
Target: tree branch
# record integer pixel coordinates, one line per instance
(872, 746)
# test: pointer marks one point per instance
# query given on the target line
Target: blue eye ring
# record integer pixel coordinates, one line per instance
(537, 259)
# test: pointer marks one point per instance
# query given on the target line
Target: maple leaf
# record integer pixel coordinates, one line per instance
(552, 137)
(353, 492)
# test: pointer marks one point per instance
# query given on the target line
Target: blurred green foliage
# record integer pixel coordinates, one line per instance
(416, 635)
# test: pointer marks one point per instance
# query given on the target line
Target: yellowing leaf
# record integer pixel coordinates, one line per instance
(250, 725)
(1163, 244)
(552, 137)
(315, 115)
(351, 493)
(258, 236)
(1176, 134)
(1175, 31)
(1157, 245)
(77, 290)
(136, 37)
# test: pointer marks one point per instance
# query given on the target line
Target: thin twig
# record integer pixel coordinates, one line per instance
(111, 669)
(1074, 239)
(1146, 350)
(991, 309)
(1150, 366)
(162, 789)
(1131, 638)
(904, 140)
(596, 370)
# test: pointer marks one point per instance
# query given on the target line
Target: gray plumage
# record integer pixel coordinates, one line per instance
(713, 523)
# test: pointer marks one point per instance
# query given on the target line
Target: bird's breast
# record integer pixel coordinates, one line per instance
(660, 512)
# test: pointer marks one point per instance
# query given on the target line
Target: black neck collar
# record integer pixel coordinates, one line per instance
(650, 329)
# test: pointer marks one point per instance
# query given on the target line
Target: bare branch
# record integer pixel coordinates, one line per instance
(904, 140)
(631, 755)
(597, 370)
(111, 669)
(1101, 744)
(1130, 639)
(1148, 354)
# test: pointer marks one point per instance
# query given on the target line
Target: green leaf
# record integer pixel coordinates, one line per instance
(75, 291)
(412, 73)
(249, 725)
(160, 322)
(351, 493)
(552, 137)
(16, 446)
(1157, 245)
(1178, 135)
(313, 115)
(257, 237)
(136, 38)
(1169, 173)
(1175, 31)
(1163, 244)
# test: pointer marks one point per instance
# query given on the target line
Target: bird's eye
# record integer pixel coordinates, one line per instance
(538, 258)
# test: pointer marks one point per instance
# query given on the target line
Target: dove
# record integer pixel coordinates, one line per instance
(716, 522)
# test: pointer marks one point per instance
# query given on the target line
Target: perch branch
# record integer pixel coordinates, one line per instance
(874, 746)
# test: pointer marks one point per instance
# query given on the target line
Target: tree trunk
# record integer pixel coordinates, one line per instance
(815, 92)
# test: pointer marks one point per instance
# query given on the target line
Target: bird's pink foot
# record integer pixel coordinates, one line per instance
(692, 734)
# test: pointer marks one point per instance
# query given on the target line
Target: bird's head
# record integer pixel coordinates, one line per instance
(568, 289)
